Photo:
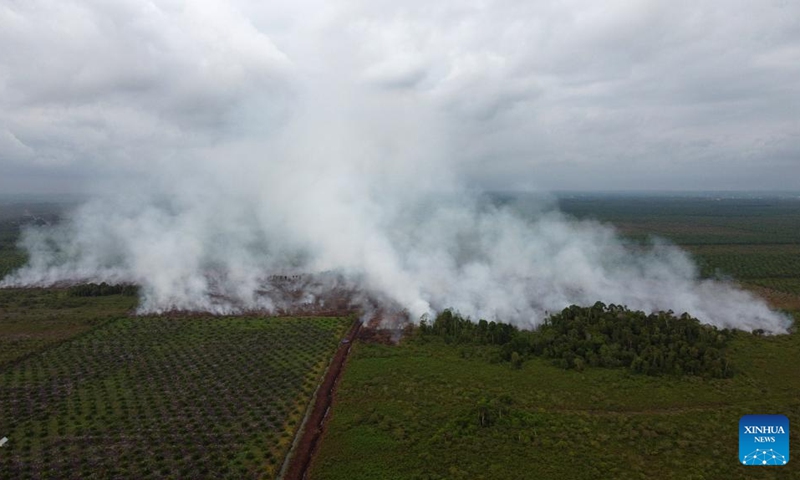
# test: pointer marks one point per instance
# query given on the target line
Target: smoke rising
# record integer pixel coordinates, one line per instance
(339, 160)
(216, 251)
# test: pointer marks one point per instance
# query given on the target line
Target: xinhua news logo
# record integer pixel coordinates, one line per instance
(764, 440)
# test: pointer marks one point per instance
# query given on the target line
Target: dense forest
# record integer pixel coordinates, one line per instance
(599, 336)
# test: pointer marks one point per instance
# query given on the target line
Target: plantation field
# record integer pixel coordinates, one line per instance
(87, 391)
(32, 319)
(696, 220)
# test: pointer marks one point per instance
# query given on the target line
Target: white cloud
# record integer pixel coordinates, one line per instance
(531, 84)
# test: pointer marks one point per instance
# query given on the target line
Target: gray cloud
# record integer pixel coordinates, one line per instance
(529, 84)
(130, 83)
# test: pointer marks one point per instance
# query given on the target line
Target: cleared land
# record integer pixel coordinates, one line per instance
(419, 410)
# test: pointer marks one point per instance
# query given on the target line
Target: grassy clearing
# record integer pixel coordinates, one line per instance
(414, 411)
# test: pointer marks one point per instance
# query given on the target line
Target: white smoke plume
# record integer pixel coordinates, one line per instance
(214, 250)
(242, 160)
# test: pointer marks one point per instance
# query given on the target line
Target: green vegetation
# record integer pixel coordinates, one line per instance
(435, 410)
(102, 290)
(180, 397)
(707, 220)
(600, 336)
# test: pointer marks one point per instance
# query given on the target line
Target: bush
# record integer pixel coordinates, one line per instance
(102, 290)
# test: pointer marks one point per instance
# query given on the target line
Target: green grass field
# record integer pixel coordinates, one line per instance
(413, 412)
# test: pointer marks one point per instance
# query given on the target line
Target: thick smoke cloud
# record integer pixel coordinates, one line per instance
(225, 145)
(215, 252)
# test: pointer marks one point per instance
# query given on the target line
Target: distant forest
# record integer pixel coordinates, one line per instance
(102, 290)
(602, 335)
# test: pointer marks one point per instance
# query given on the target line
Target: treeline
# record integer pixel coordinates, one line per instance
(600, 336)
(102, 290)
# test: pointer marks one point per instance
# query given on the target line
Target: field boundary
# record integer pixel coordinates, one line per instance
(298, 459)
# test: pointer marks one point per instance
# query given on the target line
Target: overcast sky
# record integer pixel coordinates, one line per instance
(553, 95)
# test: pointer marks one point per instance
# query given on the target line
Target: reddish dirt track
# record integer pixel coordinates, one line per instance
(312, 432)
